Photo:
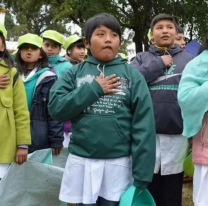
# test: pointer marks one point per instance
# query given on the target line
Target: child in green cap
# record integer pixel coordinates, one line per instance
(32, 63)
(52, 44)
(75, 49)
(14, 116)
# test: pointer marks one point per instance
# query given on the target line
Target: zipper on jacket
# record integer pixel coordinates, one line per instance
(166, 70)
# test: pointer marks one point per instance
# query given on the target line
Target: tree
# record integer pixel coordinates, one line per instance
(135, 15)
(32, 16)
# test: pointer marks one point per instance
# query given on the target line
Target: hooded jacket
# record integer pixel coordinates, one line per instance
(45, 131)
(107, 126)
(59, 64)
(163, 85)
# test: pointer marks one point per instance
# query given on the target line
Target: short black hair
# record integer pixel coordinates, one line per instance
(203, 46)
(98, 20)
(161, 17)
(179, 29)
(41, 63)
(79, 44)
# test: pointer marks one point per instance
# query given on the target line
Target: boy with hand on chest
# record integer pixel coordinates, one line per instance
(110, 109)
(162, 66)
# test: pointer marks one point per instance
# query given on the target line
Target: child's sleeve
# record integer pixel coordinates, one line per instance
(21, 114)
(67, 101)
(143, 134)
(151, 69)
(55, 129)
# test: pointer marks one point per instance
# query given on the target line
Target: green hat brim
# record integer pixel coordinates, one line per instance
(69, 41)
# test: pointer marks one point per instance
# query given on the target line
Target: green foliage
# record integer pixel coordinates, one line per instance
(31, 16)
(37, 16)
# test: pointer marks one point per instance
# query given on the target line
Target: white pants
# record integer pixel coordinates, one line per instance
(84, 179)
(200, 185)
(66, 139)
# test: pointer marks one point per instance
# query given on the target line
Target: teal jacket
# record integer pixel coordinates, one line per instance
(107, 126)
(60, 65)
(193, 94)
(30, 86)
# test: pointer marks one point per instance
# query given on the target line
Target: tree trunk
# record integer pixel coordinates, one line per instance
(137, 40)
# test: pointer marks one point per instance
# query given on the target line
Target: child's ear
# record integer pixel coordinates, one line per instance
(2, 48)
(151, 38)
(40, 57)
(86, 43)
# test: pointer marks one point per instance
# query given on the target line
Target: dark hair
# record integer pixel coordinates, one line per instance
(98, 20)
(56, 43)
(5, 55)
(179, 29)
(161, 17)
(204, 46)
(41, 63)
(78, 44)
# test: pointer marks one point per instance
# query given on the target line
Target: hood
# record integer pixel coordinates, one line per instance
(171, 51)
(102, 65)
(117, 60)
(34, 74)
(45, 76)
(55, 59)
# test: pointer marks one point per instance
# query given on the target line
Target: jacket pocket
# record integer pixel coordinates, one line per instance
(99, 134)
(119, 130)
(6, 102)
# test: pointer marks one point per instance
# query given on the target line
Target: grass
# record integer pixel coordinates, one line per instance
(187, 194)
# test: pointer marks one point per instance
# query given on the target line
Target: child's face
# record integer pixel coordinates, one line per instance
(51, 47)
(164, 33)
(104, 44)
(30, 54)
(77, 53)
(180, 40)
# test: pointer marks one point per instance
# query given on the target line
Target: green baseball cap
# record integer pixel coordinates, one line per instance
(3, 30)
(30, 39)
(53, 35)
(70, 40)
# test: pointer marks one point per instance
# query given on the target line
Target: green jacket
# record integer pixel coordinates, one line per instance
(60, 65)
(14, 116)
(107, 126)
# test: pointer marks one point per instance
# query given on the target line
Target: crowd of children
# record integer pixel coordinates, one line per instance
(124, 124)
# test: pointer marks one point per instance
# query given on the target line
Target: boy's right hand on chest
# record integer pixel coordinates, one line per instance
(4, 81)
(109, 83)
(167, 60)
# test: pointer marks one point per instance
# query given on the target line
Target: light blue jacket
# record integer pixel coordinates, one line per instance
(193, 94)
(59, 64)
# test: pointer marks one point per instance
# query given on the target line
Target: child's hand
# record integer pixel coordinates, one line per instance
(168, 60)
(56, 151)
(21, 155)
(4, 81)
(108, 84)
